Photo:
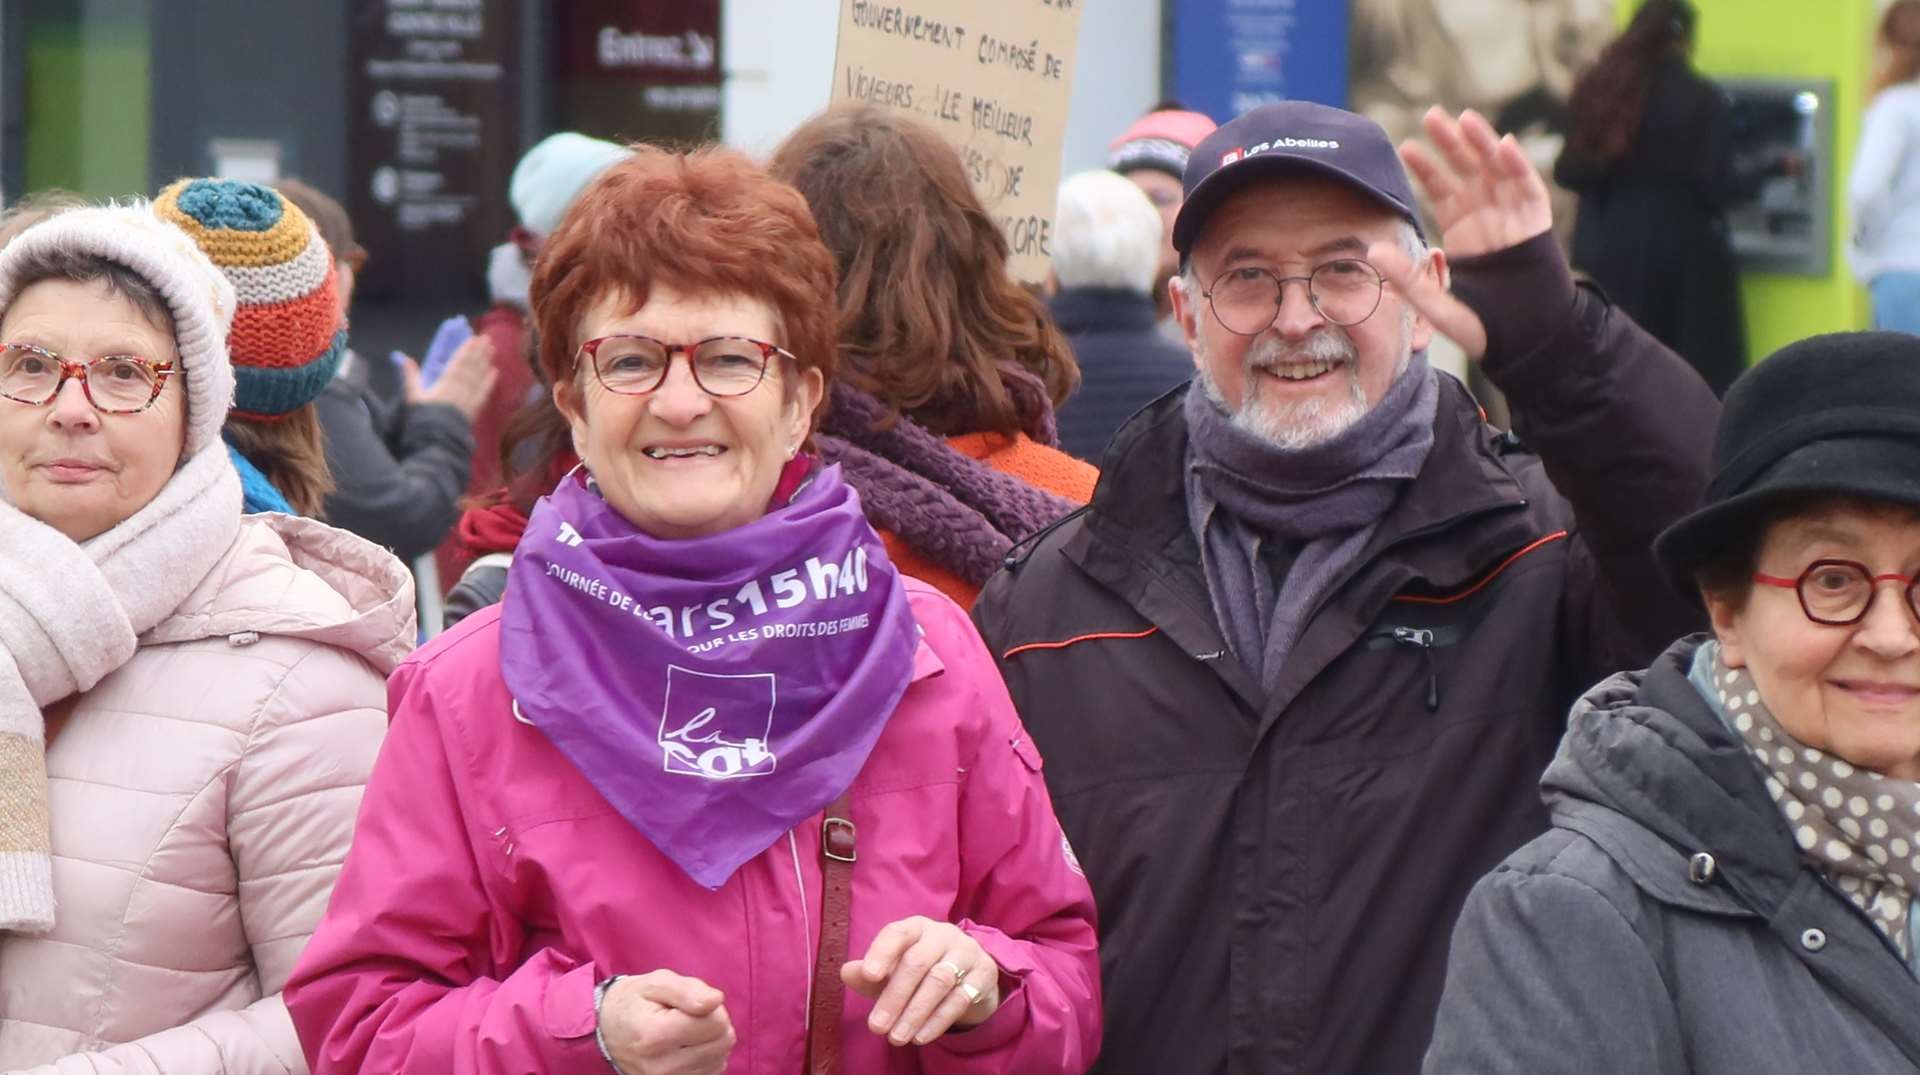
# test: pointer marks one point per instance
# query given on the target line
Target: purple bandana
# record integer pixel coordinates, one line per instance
(718, 690)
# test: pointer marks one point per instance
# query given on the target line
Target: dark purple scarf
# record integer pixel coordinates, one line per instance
(958, 512)
(719, 690)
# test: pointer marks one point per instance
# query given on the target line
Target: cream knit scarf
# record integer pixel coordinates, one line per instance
(69, 615)
(1861, 828)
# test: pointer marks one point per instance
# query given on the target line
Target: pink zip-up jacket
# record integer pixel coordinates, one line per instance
(490, 887)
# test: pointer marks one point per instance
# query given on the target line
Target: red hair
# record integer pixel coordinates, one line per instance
(707, 222)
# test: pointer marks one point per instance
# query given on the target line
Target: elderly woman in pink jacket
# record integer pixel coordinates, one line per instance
(715, 788)
(190, 699)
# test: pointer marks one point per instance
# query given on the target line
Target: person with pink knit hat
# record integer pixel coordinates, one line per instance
(1153, 153)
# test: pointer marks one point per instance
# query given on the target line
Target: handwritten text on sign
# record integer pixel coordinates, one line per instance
(993, 77)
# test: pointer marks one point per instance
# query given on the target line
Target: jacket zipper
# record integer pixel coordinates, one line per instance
(1422, 639)
(807, 948)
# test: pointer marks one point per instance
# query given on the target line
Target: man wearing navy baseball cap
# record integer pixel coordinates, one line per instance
(1298, 667)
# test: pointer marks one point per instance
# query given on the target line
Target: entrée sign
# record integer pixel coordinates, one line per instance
(992, 77)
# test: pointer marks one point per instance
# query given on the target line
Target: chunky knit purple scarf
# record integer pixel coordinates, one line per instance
(956, 511)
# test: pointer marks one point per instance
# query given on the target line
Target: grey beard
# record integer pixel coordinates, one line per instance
(1304, 424)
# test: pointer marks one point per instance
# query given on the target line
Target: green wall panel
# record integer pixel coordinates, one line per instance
(88, 97)
(1828, 39)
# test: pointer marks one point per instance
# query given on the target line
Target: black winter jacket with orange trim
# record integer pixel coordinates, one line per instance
(1277, 877)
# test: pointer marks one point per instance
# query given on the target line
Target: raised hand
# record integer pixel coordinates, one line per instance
(927, 977)
(466, 383)
(1486, 196)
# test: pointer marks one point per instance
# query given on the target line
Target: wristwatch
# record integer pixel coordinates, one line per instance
(599, 1038)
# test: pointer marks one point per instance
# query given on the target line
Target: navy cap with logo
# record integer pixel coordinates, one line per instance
(1291, 137)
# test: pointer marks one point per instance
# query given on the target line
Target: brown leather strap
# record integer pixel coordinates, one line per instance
(836, 912)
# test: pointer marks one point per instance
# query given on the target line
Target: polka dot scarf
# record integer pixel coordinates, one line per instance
(1862, 828)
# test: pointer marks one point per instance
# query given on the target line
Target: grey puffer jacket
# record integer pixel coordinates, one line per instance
(1605, 945)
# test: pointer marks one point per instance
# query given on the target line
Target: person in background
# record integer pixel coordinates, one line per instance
(31, 209)
(536, 451)
(1729, 883)
(190, 698)
(1297, 666)
(782, 822)
(1883, 191)
(399, 472)
(1153, 153)
(1650, 152)
(287, 337)
(1106, 251)
(544, 184)
(950, 371)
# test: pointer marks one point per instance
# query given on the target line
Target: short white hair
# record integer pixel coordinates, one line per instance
(1106, 233)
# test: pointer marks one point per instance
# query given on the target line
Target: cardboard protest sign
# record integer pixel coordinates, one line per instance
(993, 77)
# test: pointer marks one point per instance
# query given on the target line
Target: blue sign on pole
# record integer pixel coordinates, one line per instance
(1233, 55)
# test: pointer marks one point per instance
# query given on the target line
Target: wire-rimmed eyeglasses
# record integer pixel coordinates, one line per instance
(1246, 299)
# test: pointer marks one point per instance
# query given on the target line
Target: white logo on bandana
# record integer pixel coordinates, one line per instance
(718, 726)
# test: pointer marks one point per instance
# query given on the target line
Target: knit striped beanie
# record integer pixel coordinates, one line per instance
(288, 335)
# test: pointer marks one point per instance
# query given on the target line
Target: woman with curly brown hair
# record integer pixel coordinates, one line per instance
(942, 416)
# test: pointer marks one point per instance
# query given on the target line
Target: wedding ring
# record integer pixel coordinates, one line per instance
(973, 992)
(959, 972)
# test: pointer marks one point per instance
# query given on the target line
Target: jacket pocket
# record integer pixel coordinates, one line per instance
(1422, 639)
(567, 1007)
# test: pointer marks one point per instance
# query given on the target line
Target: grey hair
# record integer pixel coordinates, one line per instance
(51, 263)
(1106, 233)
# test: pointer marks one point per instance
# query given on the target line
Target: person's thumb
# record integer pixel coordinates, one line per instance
(410, 377)
(689, 995)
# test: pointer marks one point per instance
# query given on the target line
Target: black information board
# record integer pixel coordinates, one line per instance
(432, 138)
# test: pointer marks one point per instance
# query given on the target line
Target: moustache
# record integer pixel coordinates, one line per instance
(1333, 348)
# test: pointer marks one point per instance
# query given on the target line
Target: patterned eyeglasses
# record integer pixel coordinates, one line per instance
(113, 384)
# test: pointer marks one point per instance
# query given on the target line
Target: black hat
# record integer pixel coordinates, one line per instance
(1291, 136)
(1835, 415)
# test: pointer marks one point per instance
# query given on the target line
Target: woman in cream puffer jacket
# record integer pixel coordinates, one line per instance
(202, 797)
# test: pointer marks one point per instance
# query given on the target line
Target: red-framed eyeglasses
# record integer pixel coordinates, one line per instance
(1839, 592)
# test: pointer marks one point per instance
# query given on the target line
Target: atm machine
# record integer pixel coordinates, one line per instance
(1786, 225)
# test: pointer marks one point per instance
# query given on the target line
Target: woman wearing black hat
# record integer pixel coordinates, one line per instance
(1729, 884)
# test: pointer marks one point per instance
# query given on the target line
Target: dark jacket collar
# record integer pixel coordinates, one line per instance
(1137, 503)
(1082, 310)
(1137, 541)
